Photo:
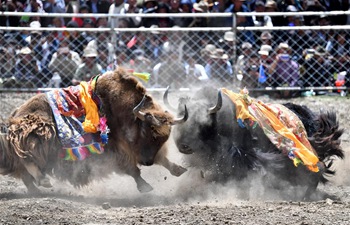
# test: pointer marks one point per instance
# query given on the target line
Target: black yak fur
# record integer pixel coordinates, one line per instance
(223, 151)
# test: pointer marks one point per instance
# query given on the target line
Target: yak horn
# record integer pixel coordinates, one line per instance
(137, 112)
(181, 120)
(166, 101)
(218, 105)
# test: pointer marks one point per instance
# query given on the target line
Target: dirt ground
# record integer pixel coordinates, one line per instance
(183, 200)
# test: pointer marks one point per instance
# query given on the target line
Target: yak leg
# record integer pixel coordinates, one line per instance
(39, 177)
(314, 194)
(312, 191)
(28, 181)
(173, 168)
(142, 185)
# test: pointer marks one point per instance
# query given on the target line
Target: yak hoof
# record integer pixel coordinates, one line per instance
(45, 182)
(178, 170)
(33, 190)
(144, 187)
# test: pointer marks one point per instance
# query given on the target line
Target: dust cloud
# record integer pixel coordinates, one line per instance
(191, 188)
(342, 168)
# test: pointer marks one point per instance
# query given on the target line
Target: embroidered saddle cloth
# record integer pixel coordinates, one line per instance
(280, 125)
(77, 131)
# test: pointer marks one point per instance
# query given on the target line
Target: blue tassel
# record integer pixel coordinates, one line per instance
(104, 138)
(291, 154)
(240, 123)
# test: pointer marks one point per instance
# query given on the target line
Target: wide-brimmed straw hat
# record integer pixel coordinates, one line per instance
(271, 4)
(265, 50)
(90, 52)
(209, 48)
(35, 25)
(229, 36)
(246, 45)
(218, 54)
(283, 45)
(25, 51)
(265, 35)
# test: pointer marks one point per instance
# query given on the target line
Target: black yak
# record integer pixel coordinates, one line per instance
(228, 149)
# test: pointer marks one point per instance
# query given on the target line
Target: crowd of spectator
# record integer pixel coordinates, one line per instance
(276, 58)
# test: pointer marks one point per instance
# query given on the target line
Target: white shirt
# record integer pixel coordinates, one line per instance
(114, 22)
(155, 75)
(198, 71)
(111, 55)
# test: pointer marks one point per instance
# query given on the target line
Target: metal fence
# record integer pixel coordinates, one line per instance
(290, 58)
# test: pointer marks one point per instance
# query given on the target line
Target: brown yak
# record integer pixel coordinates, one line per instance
(139, 129)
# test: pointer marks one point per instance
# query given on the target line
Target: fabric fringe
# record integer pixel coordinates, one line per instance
(82, 152)
(21, 129)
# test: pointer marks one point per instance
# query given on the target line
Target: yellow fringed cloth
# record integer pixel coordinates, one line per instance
(92, 118)
(280, 125)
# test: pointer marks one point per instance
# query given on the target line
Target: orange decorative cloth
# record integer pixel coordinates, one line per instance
(280, 125)
(92, 118)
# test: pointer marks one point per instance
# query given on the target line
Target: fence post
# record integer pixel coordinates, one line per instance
(114, 44)
(234, 50)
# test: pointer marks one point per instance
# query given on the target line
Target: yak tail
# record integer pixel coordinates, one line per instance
(326, 141)
(29, 135)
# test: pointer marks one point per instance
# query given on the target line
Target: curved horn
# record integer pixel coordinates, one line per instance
(166, 101)
(136, 110)
(181, 120)
(218, 105)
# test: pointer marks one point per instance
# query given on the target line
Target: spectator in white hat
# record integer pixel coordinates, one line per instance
(205, 53)
(200, 7)
(89, 68)
(195, 72)
(27, 69)
(261, 21)
(266, 38)
(65, 61)
(284, 70)
(169, 71)
(271, 6)
(219, 68)
(228, 43)
(243, 59)
(265, 61)
(34, 6)
(115, 8)
(265, 53)
(102, 41)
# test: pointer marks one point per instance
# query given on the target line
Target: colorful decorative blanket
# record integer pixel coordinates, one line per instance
(280, 125)
(80, 129)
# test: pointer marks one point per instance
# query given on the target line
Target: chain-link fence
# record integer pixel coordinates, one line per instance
(294, 57)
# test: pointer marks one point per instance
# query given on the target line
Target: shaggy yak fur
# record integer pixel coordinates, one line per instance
(223, 151)
(32, 148)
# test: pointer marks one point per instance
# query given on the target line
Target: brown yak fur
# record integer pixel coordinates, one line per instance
(132, 142)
